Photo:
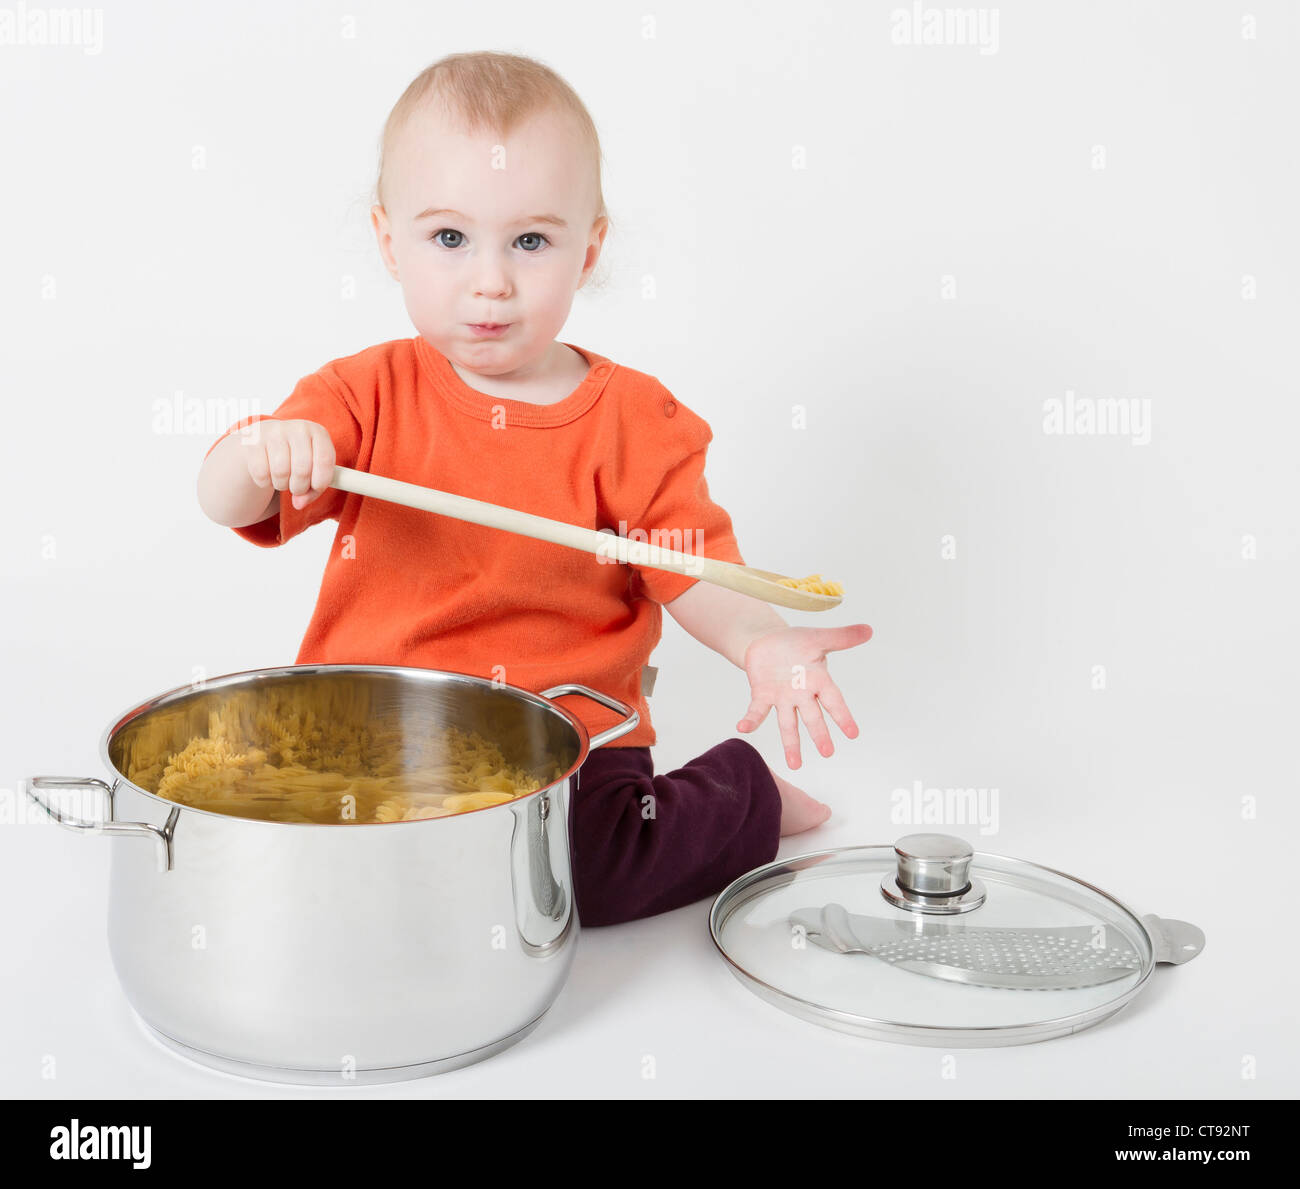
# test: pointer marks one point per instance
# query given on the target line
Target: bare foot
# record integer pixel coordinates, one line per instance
(799, 811)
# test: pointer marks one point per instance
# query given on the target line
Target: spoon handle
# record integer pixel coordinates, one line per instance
(606, 545)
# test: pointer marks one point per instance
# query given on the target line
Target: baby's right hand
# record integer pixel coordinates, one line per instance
(292, 456)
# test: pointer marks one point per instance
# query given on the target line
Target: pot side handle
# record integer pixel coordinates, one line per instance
(1176, 941)
(108, 825)
(629, 722)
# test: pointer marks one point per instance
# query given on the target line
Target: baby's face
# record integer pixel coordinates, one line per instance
(462, 232)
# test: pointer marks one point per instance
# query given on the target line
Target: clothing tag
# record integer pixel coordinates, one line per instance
(648, 675)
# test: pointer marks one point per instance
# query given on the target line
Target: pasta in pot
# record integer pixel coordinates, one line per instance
(303, 754)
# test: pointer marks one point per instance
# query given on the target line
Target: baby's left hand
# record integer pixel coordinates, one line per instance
(787, 669)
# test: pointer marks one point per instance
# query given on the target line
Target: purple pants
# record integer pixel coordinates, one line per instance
(644, 844)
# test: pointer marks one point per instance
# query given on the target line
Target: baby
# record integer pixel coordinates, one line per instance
(490, 215)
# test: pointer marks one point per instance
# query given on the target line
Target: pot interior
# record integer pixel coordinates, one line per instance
(341, 745)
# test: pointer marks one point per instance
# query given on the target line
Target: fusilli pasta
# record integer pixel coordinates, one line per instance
(304, 754)
(814, 584)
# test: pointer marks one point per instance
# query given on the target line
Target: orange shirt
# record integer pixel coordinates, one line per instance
(406, 587)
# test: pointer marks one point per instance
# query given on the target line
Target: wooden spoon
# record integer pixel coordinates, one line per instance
(760, 584)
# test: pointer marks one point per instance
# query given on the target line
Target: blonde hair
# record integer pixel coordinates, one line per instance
(491, 91)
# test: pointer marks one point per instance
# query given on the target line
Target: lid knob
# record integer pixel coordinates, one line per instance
(933, 875)
(933, 864)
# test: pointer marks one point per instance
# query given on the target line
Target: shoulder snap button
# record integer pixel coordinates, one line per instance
(670, 408)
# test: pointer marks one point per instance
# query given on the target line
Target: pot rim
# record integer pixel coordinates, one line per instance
(428, 675)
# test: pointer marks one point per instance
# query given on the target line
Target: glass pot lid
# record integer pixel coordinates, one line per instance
(929, 942)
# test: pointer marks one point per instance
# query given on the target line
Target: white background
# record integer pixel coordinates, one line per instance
(130, 276)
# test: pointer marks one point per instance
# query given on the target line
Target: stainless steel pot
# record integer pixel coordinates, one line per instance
(345, 953)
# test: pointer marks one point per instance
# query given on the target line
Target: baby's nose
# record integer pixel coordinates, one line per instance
(492, 280)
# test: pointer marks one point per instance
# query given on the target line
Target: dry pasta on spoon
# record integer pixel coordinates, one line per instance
(813, 584)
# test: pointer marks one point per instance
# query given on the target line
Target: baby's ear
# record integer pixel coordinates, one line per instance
(384, 235)
(594, 243)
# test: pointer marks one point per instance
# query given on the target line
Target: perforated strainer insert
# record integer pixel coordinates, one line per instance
(1026, 959)
(931, 943)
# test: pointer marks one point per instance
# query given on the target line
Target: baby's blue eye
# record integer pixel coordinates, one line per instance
(531, 235)
(437, 235)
